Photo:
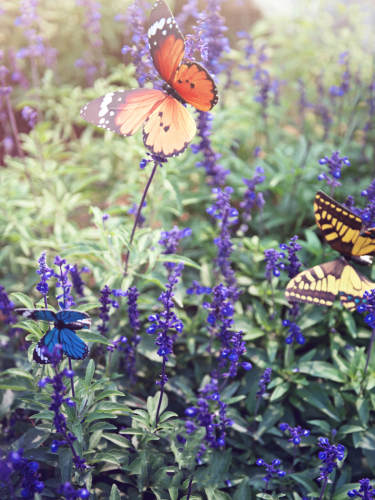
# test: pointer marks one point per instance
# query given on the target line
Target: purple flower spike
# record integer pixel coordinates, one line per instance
(265, 379)
(273, 264)
(272, 469)
(295, 432)
(295, 333)
(335, 163)
(77, 281)
(6, 307)
(294, 263)
(170, 240)
(366, 491)
(329, 456)
(45, 273)
(252, 199)
(63, 282)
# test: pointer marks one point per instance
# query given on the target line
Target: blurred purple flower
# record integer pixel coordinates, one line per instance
(264, 380)
(294, 263)
(45, 274)
(77, 281)
(67, 300)
(295, 432)
(272, 469)
(6, 307)
(295, 333)
(335, 163)
(366, 491)
(19, 472)
(274, 263)
(170, 240)
(251, 198)
(30, 116)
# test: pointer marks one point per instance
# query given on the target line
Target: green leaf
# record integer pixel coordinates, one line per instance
(117, 439)
(89, 372)
(22, 298)
(321, 369)
(115, 493)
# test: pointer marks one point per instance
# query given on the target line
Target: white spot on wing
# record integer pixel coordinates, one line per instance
(158, 25)
(107, 99)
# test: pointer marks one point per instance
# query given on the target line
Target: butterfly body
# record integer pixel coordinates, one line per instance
(66, 322)
(167, 126)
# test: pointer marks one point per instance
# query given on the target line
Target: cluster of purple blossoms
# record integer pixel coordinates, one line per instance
(343, 88)
(272, 469)
(329, 456)
(367, 307)
(251, 198)
(368, 213)
(166, 325)
(209, 40)
(335, 163)
(170, 240)
(295, 333)
(138, 51)
(209, 413)
(58, 399)
(30, 116)
(65, 298)
(6, 307)
(366, 491)
(45, 274)
(198, 289)
(274, 264)
(69, 492)
(227, 216)
(78, 283)
(106, 303)
(264, 380)
(92, 57)
(16, 472)
(294, 263)
(135, 338)
(295, 432)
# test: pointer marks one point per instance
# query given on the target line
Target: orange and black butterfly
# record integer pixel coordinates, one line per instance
(167, 125)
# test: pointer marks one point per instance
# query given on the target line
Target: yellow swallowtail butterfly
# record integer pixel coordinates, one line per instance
(344, 231)
(321, 284)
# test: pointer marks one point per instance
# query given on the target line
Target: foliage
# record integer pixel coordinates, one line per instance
(197, 415)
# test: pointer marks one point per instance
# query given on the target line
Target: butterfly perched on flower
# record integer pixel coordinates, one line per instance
(167, 125)
(344, 231)
(63, 332)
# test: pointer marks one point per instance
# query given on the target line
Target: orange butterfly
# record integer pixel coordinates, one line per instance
(167, 126)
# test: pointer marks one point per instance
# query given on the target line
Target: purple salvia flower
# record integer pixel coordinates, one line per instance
(63, 283)
(295, 432)
(134, 209)
(166, 325)
(366, 491)
(295, 333)
(265, 379)
(274, 264)
(58, 399)
(335, 163)
(45, 274)
(69, 492)
(19, 472)
(106, 304)
(226, 216)
(170, 240)
(272, 469)
(329, 456)
(77, 281)
(30, 116)
(139, 52)
(6, 307)
(251, 198)
(133, 312)
(198, 289)
(368, 213)
(134, 339)
(343, 88)
(92, 27)
(294, 264)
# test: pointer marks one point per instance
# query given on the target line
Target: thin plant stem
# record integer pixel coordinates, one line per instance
(161, 391)
(139, 214)
(190, 485)
(324, 486)
(369, 350)
(13, 126)
(71, 379)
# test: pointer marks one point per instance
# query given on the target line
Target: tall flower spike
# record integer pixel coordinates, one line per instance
(329, 456)
(45, 274)
(77, 281)
(335, 163)
(251, 198)
(19, 472)
(265, 379)
(6, 307)
(65, 299)
(170, 240)
(295, 432)
(366, 491)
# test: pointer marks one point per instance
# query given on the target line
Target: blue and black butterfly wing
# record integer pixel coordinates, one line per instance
(72, 345)
(74, 320)
(38, 314)
(45, 346)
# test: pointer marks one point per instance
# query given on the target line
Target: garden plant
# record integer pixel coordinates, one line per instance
(156, 341)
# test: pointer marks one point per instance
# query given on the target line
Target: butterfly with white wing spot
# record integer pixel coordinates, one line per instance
(167, 126)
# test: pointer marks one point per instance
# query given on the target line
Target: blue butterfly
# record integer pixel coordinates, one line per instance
(65, 323)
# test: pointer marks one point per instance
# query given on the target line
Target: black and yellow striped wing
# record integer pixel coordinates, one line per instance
(321, 284)
(343, 229)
